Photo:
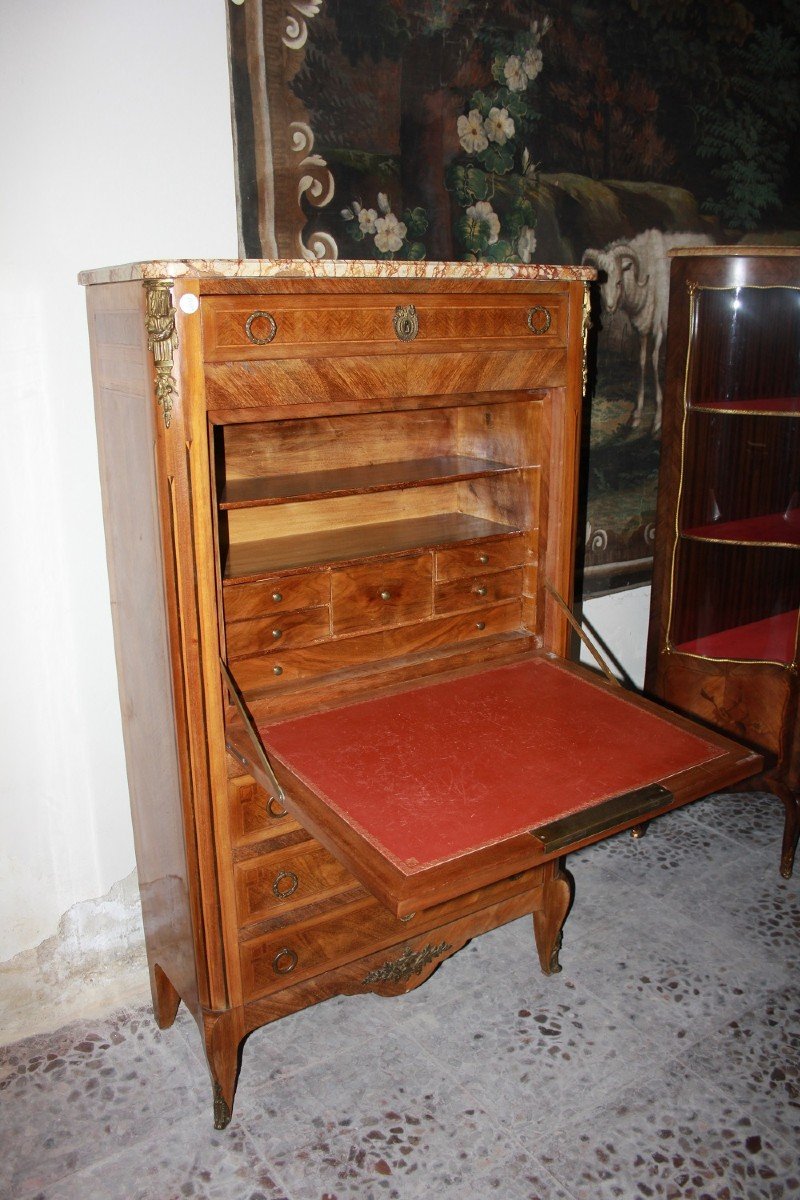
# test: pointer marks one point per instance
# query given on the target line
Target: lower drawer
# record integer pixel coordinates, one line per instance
(288, 879)
(460, 595)
(307, 948)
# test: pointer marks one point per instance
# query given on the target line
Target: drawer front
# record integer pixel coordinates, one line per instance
(286, 956)
(271, 634)
(460, 595)
(282, 593)
(284, 326)
(380, 595)
(496, 554)
(254, 816)
(263, 674)
(286, 879)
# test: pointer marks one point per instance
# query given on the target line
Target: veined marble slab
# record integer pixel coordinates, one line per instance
(300, 268)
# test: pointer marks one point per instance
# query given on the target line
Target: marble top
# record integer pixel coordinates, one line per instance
(300, 268)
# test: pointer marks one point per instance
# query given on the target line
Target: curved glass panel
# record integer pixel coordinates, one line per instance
(745, 351)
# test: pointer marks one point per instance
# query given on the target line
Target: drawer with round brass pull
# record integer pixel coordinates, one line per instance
(460, 595)
(479, 558)
(287, 878)
(272, 633)
(283, 593)
(381, 594)
(253, 815)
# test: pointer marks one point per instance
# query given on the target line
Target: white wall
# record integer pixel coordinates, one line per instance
(116, 145)
(116, 138)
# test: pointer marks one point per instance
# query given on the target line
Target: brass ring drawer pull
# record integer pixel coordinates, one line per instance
(406, 322)
(539, 319)
(281, 891)
(275, 810)
(284, 961)
(260, 315)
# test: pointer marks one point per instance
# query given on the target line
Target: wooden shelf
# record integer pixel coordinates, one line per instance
(769, 640)
(252, 560)
(361, 480)
(772, 529)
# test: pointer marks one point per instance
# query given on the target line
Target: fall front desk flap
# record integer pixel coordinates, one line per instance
(445, 787)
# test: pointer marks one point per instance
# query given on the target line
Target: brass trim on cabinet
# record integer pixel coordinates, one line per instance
(557, 835)
(411, 962)
(162, 341)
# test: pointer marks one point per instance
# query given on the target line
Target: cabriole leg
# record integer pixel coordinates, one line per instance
(548, 921)
(791, 827)
(223, 1037)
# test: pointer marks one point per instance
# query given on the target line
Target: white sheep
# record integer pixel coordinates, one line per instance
(635, 280)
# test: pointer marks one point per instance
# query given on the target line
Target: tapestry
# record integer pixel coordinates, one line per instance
(602, 131)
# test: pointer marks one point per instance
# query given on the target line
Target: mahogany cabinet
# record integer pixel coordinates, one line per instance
(723, 642)
(340, 504)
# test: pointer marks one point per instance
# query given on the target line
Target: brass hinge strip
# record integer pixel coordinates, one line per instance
(599, 818)
(252, 735)
(582, 634)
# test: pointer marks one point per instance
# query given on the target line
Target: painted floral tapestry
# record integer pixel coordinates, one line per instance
(605, 131)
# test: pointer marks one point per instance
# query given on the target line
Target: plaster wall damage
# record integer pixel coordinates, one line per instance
(95, 961)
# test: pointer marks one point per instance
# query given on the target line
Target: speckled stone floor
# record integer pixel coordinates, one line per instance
(664, 1061)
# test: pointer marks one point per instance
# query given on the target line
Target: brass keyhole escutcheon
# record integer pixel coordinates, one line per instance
(539, 319)
(264, 322)
(406, 322)
(285, 884)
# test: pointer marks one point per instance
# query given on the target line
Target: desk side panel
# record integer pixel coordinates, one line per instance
(124, 410)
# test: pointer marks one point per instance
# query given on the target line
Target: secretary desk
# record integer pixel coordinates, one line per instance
(340, 508)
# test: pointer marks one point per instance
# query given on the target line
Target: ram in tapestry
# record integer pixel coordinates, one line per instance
(507, 130)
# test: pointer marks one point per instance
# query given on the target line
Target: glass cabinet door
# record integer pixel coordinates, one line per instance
(735, 586)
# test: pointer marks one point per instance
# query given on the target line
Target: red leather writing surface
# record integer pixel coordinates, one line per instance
(436, 772)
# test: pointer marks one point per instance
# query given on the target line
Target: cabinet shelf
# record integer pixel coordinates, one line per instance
(252, 560)
(360, 480)
(772, 529)
(770, 640)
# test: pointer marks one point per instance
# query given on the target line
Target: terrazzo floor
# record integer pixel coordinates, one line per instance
(664, 1061)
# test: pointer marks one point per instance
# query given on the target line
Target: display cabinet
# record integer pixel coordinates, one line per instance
(726, 590)
(340, 500)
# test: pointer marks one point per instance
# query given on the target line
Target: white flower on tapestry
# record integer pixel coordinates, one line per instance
(366, 217)
(515, 73)
(526, 244)
(493, 175)
(470, 132)
(532, 63)
(499, 126)
(387, 235)
(484, 216)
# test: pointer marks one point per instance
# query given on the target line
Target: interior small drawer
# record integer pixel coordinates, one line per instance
(281, 629)
(460, 595)
(286, 879)
(254, 816)
(382, 594)
(279, 594)
(494, 554)
(280, 326)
